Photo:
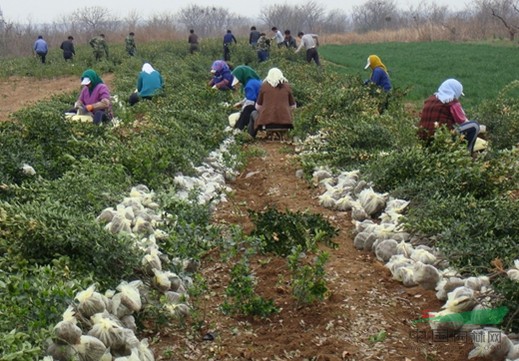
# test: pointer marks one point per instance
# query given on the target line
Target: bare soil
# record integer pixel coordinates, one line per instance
(363, 301)
(18, 92)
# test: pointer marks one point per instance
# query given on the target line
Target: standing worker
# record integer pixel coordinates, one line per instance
(99, 46)
(263, 47)
(193, 41)
(228, 39)
(278, 37)
(131, 48)
(254, 36)
(289, 41)
(310, 42)
(68, 48)
(40, 48)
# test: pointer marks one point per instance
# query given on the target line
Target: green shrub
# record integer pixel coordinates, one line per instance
(501, 116)
(241, 296)
(280, 232)
(308, 276)
(41, 231)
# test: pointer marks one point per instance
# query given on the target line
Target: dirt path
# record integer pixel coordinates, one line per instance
(364, 301)
(19, 92)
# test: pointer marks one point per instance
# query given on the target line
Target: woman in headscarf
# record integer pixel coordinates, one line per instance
(444, 108)
(274, 104)
(149, 83)
(379, 75)
(222, 77)
(245, 75)
(94, 97)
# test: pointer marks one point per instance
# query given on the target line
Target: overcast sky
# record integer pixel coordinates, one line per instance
(40, 11)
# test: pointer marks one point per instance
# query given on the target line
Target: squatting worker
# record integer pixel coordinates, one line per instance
(94, 97)
(149, 84)
(444, 108)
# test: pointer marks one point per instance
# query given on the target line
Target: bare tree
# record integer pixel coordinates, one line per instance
(375, 15)
(132, 19)
(336, 21)
(207, 21)
(308, 17)
(95, 19)
(507, 12)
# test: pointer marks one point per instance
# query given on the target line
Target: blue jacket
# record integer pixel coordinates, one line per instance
(228, 38)
(380, 77)
(40, 46)
(149, 84)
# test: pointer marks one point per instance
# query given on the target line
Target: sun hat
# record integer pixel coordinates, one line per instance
(85, 81)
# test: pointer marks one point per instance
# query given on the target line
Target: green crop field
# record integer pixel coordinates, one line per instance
(483, 69)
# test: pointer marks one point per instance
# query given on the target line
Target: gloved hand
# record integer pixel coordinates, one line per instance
(214, 87)
(77, 105)
(89, 107)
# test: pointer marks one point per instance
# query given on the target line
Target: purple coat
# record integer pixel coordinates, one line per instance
(100, 92)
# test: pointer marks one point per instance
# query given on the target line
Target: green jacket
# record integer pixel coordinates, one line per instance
(130, 45)
(98, 44)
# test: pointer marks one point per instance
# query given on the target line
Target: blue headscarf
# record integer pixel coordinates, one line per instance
(449, 90)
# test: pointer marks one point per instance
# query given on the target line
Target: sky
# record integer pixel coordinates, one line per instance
(47, 11)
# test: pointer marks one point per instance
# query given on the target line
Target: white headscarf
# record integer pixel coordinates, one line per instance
(147, 68)
(275, 77)
(449, 90)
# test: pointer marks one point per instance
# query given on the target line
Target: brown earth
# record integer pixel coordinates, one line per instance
(18, 92)
(362, 302)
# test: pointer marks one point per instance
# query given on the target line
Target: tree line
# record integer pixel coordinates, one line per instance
(482, 19)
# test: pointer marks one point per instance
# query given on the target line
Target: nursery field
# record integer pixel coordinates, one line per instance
(237, 249)
(419, 68)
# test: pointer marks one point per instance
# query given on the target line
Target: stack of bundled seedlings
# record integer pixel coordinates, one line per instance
(97, 327)
(379, 228)
(208, 186)
(102, 326)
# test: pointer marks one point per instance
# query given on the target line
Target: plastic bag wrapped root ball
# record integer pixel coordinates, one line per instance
(109, 332)
(130, 296)
(145, 354)
(118, 309)
(61, 352)
(492, 343)
(90, 348)
(151, 262)
(426, 276)
(371, 201)
(179, 310)
(161, 280)
(446, 321)
(129, 342)
(386, 249)
(91, 302)
(67, 332)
